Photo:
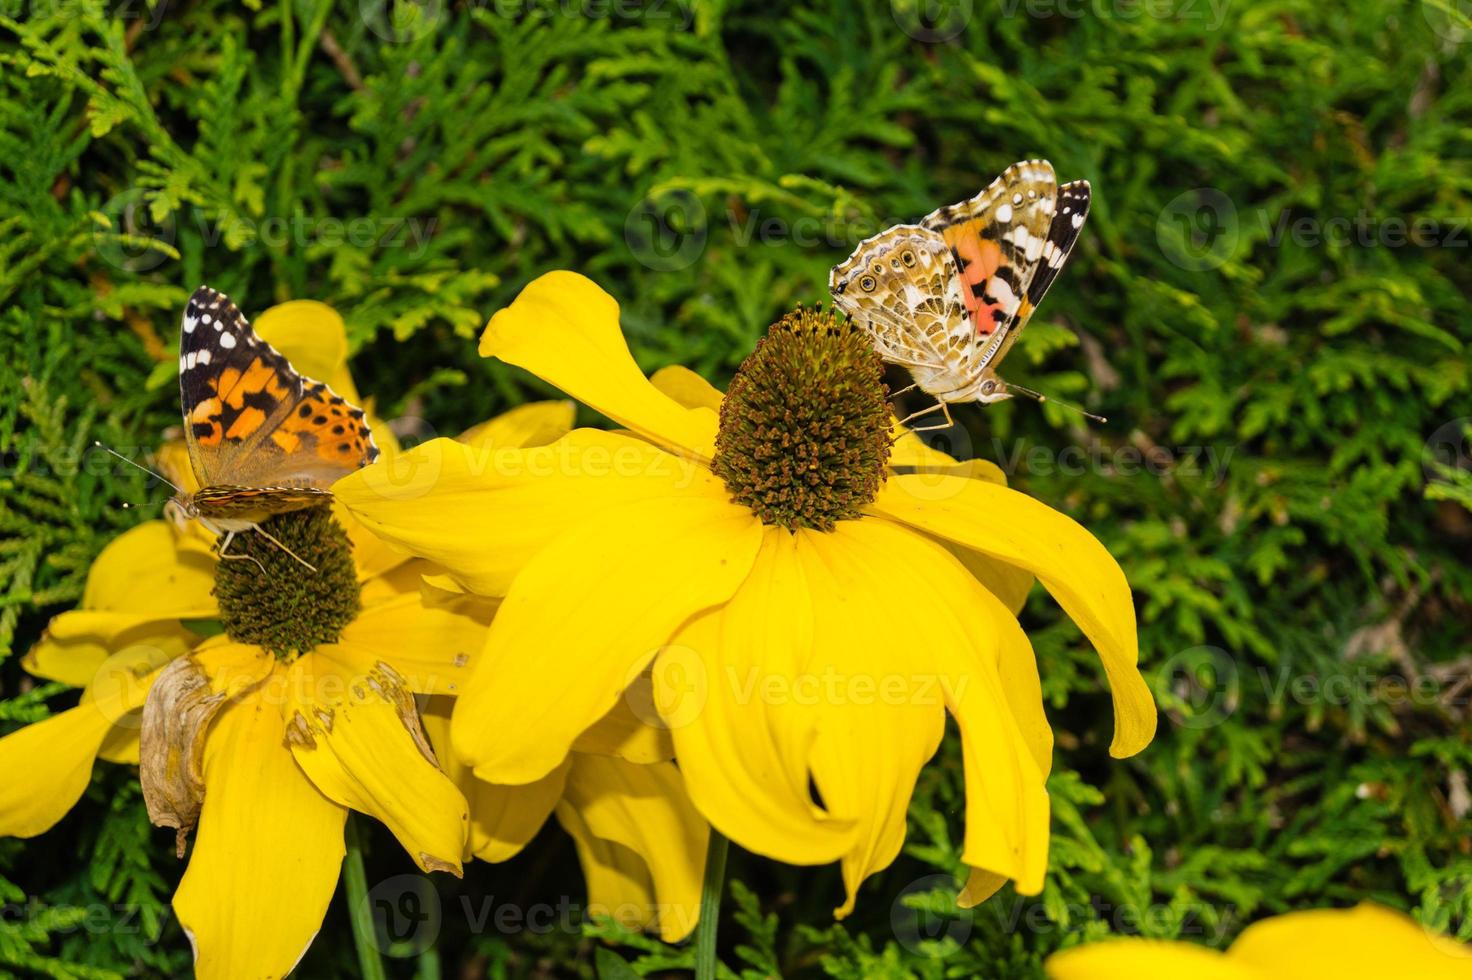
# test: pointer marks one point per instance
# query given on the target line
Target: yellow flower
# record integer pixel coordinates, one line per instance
(802, 602)
(266, 748)
(1367, 942)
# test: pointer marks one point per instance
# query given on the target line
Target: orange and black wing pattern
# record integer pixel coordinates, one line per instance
(250, 420)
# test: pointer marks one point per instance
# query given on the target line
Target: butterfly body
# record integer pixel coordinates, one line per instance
(263, 439)
(947, 297)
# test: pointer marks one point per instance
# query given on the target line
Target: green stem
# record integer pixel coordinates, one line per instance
(355, 880)
(710, 906)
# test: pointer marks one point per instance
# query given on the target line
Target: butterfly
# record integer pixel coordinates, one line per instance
(948, 297)
(263, 440)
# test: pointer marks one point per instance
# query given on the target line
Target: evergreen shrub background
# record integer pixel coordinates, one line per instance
(1269, 302)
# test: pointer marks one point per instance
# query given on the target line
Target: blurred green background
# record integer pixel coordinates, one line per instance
(1269, 301)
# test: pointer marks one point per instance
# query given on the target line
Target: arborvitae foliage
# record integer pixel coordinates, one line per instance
(1269, 302)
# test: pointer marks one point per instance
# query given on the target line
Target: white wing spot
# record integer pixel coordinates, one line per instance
(1004, 213)
(227, 340)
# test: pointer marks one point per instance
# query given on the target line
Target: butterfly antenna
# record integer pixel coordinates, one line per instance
(138, 466)
(1039, 396)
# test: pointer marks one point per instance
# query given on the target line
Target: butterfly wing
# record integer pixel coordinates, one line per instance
(903, 288)
(250, 420)
(997, 238)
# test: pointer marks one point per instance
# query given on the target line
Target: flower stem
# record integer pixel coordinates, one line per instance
(355, 881)
(710, 906)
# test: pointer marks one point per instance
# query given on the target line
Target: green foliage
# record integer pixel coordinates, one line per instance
(1283, 361)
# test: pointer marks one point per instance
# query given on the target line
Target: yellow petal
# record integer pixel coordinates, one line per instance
(137, 590)
(45, 766)
(595, 606)
(1367, 942)
(743, 723)
(76, 644)
(980, 886)
(909, 633)
(431, 648)
(687, 387)
(358, 738)
(482, 513)
(532, 424)
(632, 729)
(314, 339)
(266, 854)
(911, 456)
(644, 810)
(565, 330)
(1070, 562)
(1150, 959)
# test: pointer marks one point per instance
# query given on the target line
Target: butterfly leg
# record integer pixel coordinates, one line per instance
(225, 546)
(944, 410)
(905, 390)
(267, 535)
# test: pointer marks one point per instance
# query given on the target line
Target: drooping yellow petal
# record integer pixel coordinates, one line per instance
(431, 648)
(482, 513)
(266, 854)
(1151, 959)
(644, 810)
(1071, 563)
(601, 599)
(358, 738)
(45, 766)
(687, 387)
(313, 337)
(632, 730)
(532, 424)
(565, 330)
(733, 689)
(503, 819)
(911, 634)
(1367, 942)
(911, 456)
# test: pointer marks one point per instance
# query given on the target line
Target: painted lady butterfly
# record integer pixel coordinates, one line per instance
(263, 440)
(949, 296)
